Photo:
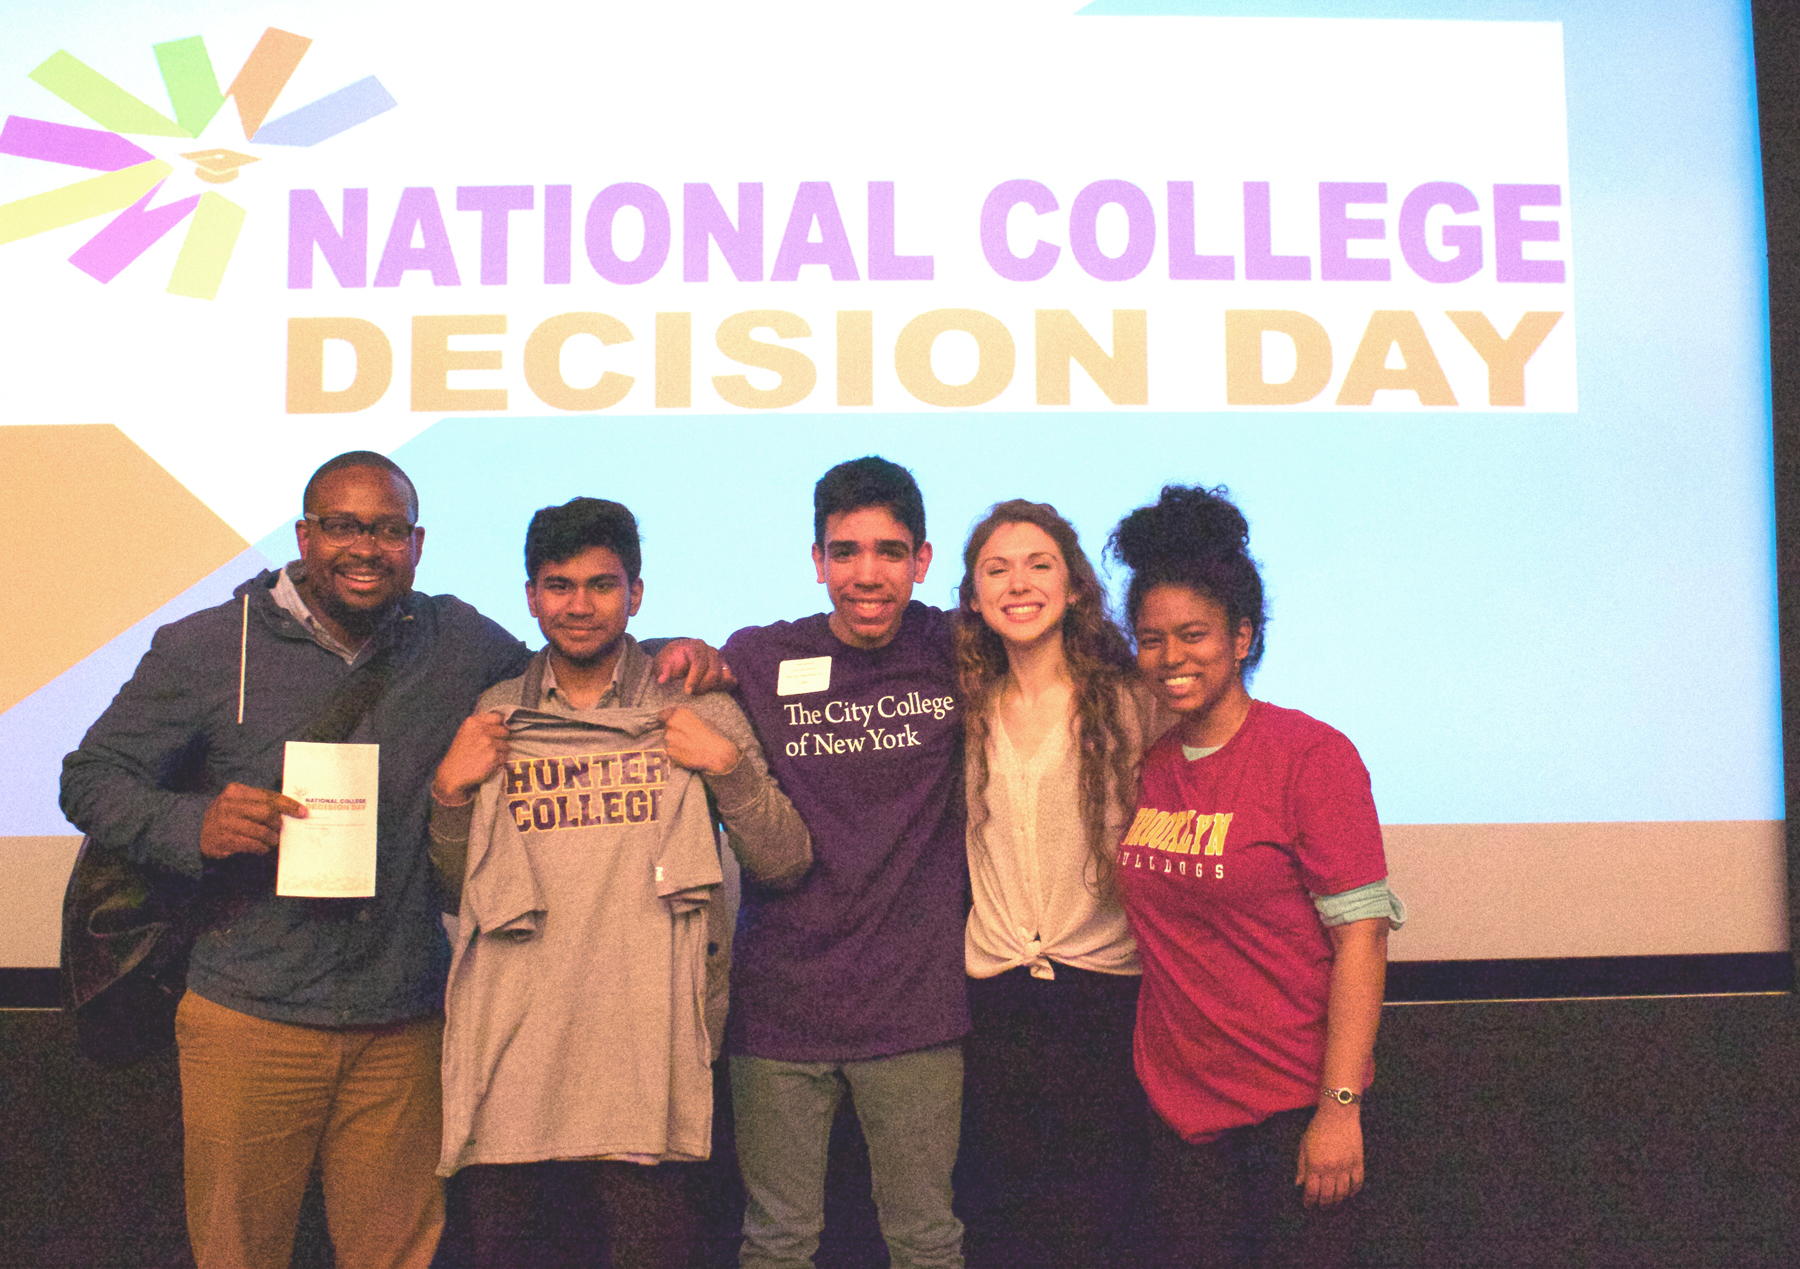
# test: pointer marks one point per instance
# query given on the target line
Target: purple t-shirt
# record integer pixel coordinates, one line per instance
(865, 958)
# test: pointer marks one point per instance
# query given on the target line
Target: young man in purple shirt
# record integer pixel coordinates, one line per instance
(855, 977)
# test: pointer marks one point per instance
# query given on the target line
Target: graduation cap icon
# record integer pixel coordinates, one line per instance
(218, 166)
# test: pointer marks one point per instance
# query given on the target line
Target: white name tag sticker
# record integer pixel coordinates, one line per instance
(803, 674)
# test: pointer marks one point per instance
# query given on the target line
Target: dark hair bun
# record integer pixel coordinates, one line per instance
(1185, 523)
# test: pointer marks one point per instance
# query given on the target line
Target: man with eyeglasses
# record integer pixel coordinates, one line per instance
(311, 1031)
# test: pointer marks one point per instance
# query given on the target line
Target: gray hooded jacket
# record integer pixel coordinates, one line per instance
(313, 962)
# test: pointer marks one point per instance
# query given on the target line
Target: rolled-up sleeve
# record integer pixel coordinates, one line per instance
(1376, 899)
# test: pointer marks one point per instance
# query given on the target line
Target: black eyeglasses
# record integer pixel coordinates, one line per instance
(343, 530)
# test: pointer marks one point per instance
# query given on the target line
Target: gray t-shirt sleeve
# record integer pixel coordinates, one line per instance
(687, 872)
(501, 894)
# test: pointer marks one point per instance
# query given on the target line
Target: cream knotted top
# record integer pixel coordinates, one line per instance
(1031, 874)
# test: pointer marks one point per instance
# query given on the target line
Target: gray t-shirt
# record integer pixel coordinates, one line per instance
(575, 1014)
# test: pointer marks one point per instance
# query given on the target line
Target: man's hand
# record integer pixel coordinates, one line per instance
(692, 742)
(706, 671)
(1331, 1155)
(245, 821)
(475, 754)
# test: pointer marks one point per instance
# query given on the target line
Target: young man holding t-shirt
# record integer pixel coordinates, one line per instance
(577, 1087)
(856, 976)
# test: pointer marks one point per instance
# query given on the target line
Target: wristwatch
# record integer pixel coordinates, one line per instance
(1342, 1096)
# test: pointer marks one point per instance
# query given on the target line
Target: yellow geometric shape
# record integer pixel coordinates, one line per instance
(98, 536)
(101, 100)
(212, 235)
(83, 200)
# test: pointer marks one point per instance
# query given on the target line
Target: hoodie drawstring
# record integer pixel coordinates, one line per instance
(243, 654)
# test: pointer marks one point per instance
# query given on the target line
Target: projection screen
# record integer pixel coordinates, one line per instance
(1465, 303)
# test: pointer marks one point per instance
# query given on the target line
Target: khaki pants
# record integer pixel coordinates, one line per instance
(262, 1101)
(910, 1107)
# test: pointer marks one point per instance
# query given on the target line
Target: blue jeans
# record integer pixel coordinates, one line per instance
(910, 1106)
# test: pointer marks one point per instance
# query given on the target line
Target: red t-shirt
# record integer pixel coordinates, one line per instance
(1216, 868)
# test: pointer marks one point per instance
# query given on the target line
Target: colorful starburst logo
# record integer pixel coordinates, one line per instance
(132, 176)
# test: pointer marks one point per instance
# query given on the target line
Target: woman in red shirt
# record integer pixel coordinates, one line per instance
(1255, 882)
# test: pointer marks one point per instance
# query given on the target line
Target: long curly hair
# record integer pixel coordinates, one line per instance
(1099, 662)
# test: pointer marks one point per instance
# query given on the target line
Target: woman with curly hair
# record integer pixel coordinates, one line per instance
(1054, 1115)
(1254, 876)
